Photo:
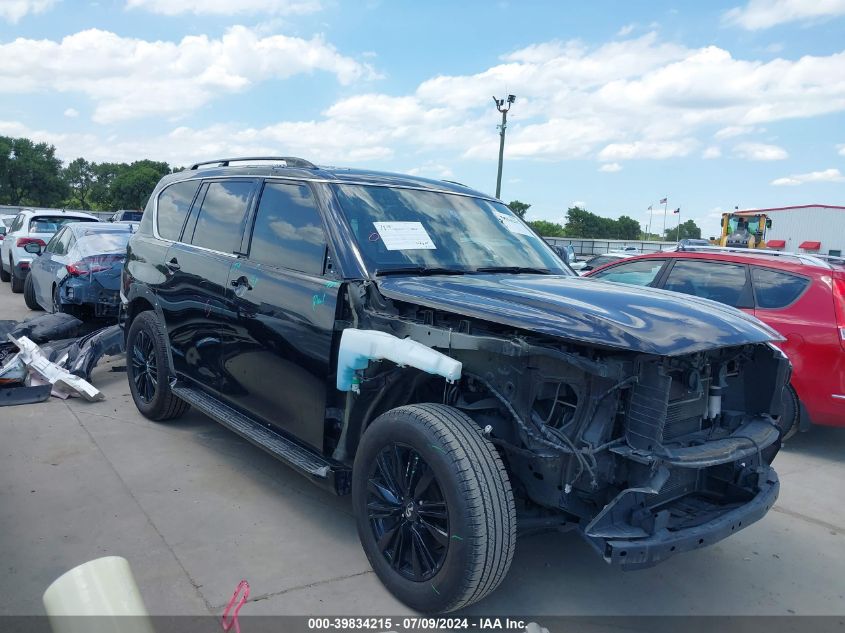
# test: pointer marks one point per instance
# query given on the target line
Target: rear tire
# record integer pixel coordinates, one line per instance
(4, 276)
(17, 283)
(29, 294)
(445, 544)
(146, 368)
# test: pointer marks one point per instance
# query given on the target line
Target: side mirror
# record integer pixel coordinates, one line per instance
(33, 247)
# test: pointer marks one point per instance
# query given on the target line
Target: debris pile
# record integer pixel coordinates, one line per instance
(46, 355)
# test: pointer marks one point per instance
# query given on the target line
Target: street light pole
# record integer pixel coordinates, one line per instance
(501, 107)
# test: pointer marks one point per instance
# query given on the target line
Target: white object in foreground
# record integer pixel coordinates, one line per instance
(33, 358)
(105, 588)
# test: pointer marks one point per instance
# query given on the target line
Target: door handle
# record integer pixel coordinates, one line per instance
(173, 265)
(241, 282)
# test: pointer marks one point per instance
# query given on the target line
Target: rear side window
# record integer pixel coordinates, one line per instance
(725, 283)
(173, 206)
(222, 215)
(639, 273)
(776, 289)
(288, 231)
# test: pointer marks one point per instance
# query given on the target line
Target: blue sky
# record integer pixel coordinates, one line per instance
(619, 104)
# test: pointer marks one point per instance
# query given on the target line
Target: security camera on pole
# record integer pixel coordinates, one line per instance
(501, 107)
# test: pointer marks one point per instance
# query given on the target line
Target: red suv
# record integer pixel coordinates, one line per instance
(800, 296)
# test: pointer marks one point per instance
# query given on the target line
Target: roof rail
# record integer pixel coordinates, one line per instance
(804, 258)
(290, 161)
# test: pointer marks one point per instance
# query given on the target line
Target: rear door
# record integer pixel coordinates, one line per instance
(277, 362)
(725, 282)
(195, 298)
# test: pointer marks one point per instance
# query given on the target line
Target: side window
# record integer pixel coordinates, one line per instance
(221, 218)
(54, 245)
(639, 273)
(775, 289)
(17, 224)
(725, 283)
(288, 231)
(173, 205)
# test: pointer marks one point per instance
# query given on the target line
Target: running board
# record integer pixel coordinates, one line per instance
(327, 473)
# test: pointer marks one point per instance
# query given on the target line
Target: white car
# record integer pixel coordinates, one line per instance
(31, 225)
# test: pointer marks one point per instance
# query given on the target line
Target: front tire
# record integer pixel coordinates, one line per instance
(434, 507)
(146, 368)
(29, 294)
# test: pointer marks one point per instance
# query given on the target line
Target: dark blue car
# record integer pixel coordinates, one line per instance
(79, 270)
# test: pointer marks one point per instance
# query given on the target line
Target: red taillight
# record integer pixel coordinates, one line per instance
(839, 305)
(23, 241)
(91, 265)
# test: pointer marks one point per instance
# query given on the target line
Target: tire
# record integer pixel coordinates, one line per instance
(146, 363)
(470, 542)
(17, 282)
(29, 294)
(4, 276)
(790, 419)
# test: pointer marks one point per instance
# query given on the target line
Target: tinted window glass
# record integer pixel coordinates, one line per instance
(52, 223)
(724, 283)
(55, 245)
(173, 205)
(774, 289)
(288, 231)
(638, 273)
(221, 217)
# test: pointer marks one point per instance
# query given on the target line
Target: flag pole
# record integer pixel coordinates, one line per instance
(678, 227)
(665, 205)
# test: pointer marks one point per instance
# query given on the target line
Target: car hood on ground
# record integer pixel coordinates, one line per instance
(586, 310)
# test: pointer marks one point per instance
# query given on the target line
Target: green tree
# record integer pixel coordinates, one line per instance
(30, 173)
(134, 183)
(547, 229)
(104, 175)
(686, 230)
(79, 176)
(519, 208)
(627, 228)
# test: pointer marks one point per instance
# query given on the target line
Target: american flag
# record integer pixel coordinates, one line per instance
(678, 210)
(664, 200)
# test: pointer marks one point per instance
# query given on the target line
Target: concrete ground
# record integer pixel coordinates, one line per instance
(195, 509)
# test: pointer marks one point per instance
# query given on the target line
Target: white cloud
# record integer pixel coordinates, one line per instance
(578, 203)
(610, 167)
(760, 151)
(129, 78)
(226, 7)
(434, 170)
(13, 10)
(841, 149)
(647, 149)
(71, 113)
(733, 130)
(764, 14)
(711, 152)
(626, 30)
(827, 175)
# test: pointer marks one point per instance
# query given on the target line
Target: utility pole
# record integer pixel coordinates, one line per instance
(501, 107)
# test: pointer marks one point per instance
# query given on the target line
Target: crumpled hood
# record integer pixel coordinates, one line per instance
(586, 310)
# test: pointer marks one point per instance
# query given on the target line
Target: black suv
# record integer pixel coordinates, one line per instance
(414, 343)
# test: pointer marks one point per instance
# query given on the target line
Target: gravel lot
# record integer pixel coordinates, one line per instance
(195, 509)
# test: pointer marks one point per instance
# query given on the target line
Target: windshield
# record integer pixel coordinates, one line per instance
(102, 242)
(51, 224)
(398, 229)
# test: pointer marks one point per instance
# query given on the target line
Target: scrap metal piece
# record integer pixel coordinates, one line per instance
(43, 328)
(13, 371)
(35, 360)
(12, 396)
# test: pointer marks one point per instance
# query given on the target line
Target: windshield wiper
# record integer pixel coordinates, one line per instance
(418, 270)
(513, 269)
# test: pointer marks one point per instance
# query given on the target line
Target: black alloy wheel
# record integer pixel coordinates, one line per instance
(144, 367)
(408, 513)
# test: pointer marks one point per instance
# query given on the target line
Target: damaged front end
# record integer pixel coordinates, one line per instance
(646, 455)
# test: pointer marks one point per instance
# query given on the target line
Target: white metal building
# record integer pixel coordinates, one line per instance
(810, 228)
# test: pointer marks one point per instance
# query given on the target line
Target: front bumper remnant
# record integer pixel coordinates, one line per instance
(638, 553)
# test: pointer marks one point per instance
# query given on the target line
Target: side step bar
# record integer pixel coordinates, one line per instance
(325, 472)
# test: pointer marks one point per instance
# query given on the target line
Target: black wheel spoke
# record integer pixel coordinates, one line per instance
(439, 534)
(144, 367)
(407, 512)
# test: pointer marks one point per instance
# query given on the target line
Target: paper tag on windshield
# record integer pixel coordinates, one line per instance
(512, 224)
(404, 236)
